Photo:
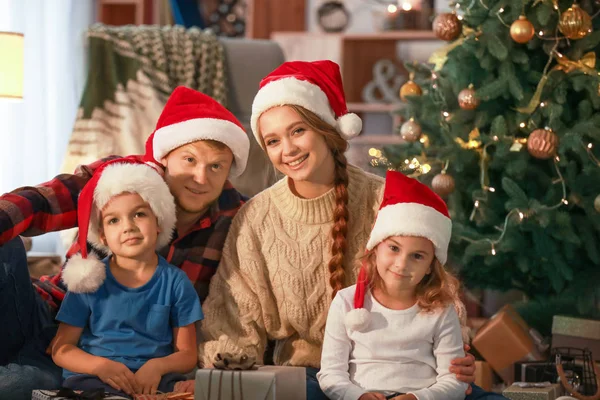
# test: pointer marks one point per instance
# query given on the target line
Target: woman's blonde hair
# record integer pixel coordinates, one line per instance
(338, 146)
(438, 289)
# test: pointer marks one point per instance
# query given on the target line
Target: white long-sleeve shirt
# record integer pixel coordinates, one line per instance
(405, 351)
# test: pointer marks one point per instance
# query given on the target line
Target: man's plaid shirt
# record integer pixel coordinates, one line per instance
(52, 206)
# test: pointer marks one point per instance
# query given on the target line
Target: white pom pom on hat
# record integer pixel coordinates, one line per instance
(316, 86)
(359, 318)
(349, 125)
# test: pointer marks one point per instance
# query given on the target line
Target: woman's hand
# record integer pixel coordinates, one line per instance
(148, 377)
(118, 376)
(464, 368)
(372, 396)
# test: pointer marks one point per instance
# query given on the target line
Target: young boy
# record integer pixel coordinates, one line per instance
(127, 322)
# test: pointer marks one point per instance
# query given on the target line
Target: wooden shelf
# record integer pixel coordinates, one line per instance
(374, 107)
(393, 35)
(376, 140)
(355, 53)
(123, 12)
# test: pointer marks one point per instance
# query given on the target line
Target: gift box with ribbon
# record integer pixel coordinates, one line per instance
(262, 383)
(506, 339)
(576, 332)
(533, 391)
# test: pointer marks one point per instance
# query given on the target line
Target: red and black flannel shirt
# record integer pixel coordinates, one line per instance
(52, 206)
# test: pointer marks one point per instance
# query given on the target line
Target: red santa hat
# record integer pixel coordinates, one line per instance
(316, 86)
(190, 116)
(409, 208)
(84, 273)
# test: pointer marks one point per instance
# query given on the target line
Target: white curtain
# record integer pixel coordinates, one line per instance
(34, 132)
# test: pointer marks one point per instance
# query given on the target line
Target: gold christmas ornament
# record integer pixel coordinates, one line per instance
(410, 88)
(410, 131)
(542, 143)
(597, 203)
(575, 23)
(521, 31)
(443, 184)
(447, 26)
(467, 99)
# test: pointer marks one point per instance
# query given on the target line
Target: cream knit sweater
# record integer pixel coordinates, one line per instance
(273, 280)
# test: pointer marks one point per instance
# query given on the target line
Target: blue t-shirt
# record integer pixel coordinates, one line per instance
(130, 325)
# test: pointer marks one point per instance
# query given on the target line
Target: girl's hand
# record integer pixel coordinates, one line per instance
(117, 375)
(148, 377)
(372, 396)
(185, 386)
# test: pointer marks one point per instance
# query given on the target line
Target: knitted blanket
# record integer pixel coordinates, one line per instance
(132, 71)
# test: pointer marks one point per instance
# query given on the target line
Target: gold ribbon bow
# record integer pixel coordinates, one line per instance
(440, 56)
(586, 64)
(474, 140)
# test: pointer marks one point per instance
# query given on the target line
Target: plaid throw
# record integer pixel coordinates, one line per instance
(132, 71)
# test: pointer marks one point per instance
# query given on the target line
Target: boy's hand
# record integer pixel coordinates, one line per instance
(148, 377)
(118, 376)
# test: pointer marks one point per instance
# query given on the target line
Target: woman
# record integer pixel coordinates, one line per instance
(292, 247)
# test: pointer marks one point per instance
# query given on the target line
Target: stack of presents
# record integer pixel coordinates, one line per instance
(511, 355)
(517, 357)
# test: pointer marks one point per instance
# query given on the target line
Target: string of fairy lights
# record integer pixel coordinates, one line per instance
(418, 166)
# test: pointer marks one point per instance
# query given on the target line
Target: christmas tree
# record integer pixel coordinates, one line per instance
(504, 123)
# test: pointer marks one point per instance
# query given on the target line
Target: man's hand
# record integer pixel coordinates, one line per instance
(372, 396)
(464, 368)
(118, 376)
(148, 377)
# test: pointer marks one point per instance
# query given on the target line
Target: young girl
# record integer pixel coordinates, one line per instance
(394, 333)
(127, 322)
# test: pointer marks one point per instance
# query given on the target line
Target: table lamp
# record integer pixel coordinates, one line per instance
(11, 65)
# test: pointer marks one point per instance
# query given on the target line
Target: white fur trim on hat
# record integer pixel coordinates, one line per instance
(83, 275)
(357, 319)
(134, 178)
(293, 91)
(413, 219)
(349, 125)
(176, 135)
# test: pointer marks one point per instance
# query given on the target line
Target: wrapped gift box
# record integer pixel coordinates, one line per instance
(484, 376)
(263, 383)
(547, 392)
(576, 332)
(504, 340)
(541, 371)
(52, 395)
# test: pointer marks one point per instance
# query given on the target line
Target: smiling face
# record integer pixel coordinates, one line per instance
(294, 148)
(196, 173)
(129, 227)
(403, 261)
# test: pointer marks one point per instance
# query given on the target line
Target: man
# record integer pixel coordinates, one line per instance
(200, 144)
